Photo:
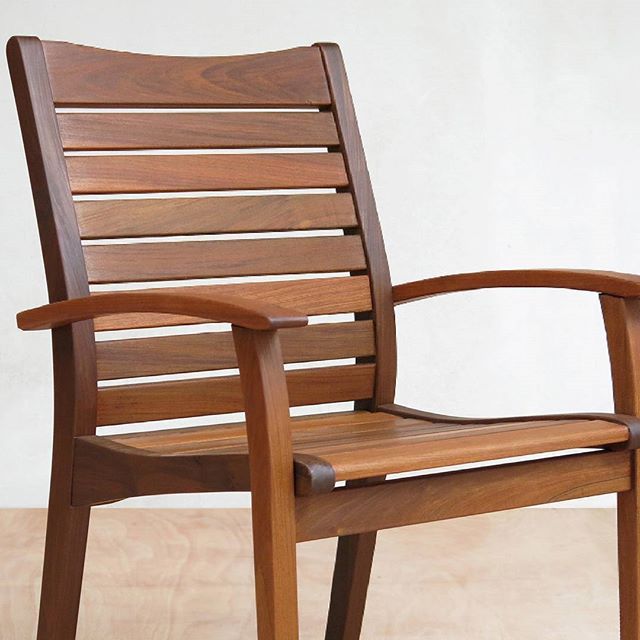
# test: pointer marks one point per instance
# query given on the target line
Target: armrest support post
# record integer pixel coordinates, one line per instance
(622, 324)
(271, 471)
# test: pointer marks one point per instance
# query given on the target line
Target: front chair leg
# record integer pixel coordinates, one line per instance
(622, 323)
(629, 555)
(274, 549)
(272, 482)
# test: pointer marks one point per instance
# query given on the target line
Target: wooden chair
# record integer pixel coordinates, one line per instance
(94, 248)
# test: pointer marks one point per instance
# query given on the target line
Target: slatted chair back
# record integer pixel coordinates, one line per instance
(136, 163)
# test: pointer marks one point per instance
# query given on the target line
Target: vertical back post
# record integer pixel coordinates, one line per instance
(365, 205)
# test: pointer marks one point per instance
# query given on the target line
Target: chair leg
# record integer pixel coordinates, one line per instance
(354, 558)
(274, 550)
(65, 546)
(629, 555)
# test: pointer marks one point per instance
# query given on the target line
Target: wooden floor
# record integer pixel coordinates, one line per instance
(186, 574)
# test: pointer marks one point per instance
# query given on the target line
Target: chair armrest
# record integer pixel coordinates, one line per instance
(242, 312)
(622, 285)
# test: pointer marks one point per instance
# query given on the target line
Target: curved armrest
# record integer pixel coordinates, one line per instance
(242, 312)
(622, 285)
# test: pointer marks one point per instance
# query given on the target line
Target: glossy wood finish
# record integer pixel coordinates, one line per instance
(204, 172)
(629, 554)
(231, 214)
(622, 322)
(271, 470)
(74, 366)
(86, 76)
(345, 617)
(311, 297)
(239, 311)
(609, 282)
(204, 396)
(214, 458)
(360, 187)
(351, 575)
(149, 261)
(131, 131)
(215, 350)
(461, 493)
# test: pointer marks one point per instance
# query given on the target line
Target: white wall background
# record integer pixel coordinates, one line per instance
(499, 134)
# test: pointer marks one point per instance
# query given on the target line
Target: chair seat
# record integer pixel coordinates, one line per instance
(362, 444)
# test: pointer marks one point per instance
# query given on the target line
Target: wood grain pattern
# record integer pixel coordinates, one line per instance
(277, 456)
(629, 554)
(461, 493)
(360, 187)
(609, 282)
(363, 444)
(214, 350)
(74, 366)
(233, 435)
(428, 450)
(204, 396)
(204, 172)
(622, 324)
(239, 311)
(311, 297)
(230, 214)
(264, 388)
(132, 131)
(350, 584)
(87, 76)
(150, 261)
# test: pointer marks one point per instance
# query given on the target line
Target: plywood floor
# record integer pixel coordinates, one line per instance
(186, 574)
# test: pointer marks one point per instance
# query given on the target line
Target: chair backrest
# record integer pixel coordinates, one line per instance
(104, 128)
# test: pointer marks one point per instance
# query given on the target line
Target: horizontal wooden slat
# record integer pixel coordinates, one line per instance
(147, 262)
(215, 350)
(204, 172)
(461, 493)
(446, 445)
(129, 131)
(316, 296)
(360, 446)
(204, 396)
(218, 214)
(82, 76)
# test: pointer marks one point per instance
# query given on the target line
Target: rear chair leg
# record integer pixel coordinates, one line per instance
(629, 554)
(64, 554)
(350, 582)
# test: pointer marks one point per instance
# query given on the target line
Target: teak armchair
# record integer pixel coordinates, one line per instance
(93, 123)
